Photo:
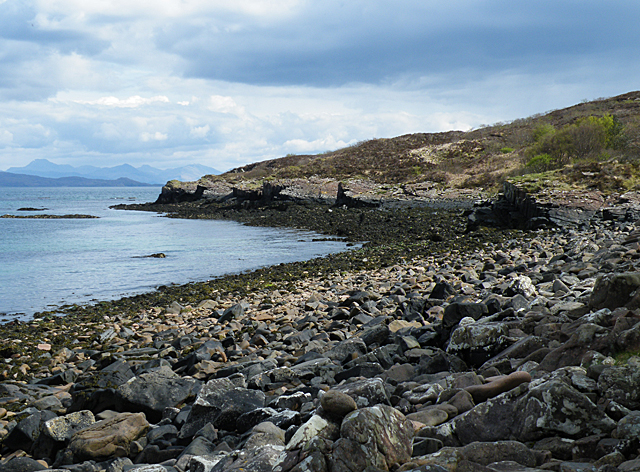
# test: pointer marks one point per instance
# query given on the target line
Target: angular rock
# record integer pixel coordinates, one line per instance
(476, 343)
(27, 431)
(152, 392)
(316, 426)
(454, 312)
(378, 436)
(220, 403)
(614, 290)
(347, 350)
(368, 392)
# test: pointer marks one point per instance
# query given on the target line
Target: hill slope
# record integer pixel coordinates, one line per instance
(569, 144)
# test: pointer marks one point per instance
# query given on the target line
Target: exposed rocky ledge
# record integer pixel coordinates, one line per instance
(517, 208)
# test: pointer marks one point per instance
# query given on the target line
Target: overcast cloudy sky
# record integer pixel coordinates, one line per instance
(228, 82)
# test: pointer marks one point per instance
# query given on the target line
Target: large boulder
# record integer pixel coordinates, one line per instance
(378, 436)
(108, 438)
(152, 392)
(526, 413)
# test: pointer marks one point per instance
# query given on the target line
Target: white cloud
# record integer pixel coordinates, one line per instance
(200, 131)
(157, 136)
(221, 104)
(6, 137)
(131, 102)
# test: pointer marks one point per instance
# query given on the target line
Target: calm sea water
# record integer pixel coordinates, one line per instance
(45, 263)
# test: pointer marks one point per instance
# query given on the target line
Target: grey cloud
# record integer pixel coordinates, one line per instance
(327, 46)
(18, 23)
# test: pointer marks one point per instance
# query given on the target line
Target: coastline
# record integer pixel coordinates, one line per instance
(430, 331)
(412, 231)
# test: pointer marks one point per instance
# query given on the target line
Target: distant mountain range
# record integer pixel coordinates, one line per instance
(9, 179)
(145, 174)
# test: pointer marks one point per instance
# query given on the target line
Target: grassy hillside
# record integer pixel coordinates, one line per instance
(592, 144)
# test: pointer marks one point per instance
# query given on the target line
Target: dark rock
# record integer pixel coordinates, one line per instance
(441, 361)
(454, 312)
(234, 312)
(220, 403)
(347, 350)
(27, 431)
(152, 392)
(21, 464)
(367, 370)
(378, 334)
(614, 290)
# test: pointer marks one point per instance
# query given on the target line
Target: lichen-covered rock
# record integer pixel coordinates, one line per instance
(378, 436)
(554, 408)
(316, 426)
(621, 384)
(476, 343)
(108, 438)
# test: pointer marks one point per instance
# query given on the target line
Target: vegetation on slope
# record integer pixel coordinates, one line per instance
(593, 144)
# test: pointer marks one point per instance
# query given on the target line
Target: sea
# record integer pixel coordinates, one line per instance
(48, 263)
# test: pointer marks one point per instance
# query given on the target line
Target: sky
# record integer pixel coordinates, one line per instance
(225, 83)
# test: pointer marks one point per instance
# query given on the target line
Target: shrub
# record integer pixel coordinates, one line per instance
(586, 138)
(541, 163)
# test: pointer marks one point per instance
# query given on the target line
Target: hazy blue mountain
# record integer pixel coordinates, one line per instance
(145, 173)
(9, 179)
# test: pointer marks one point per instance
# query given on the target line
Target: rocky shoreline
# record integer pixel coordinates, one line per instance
(435, 347)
